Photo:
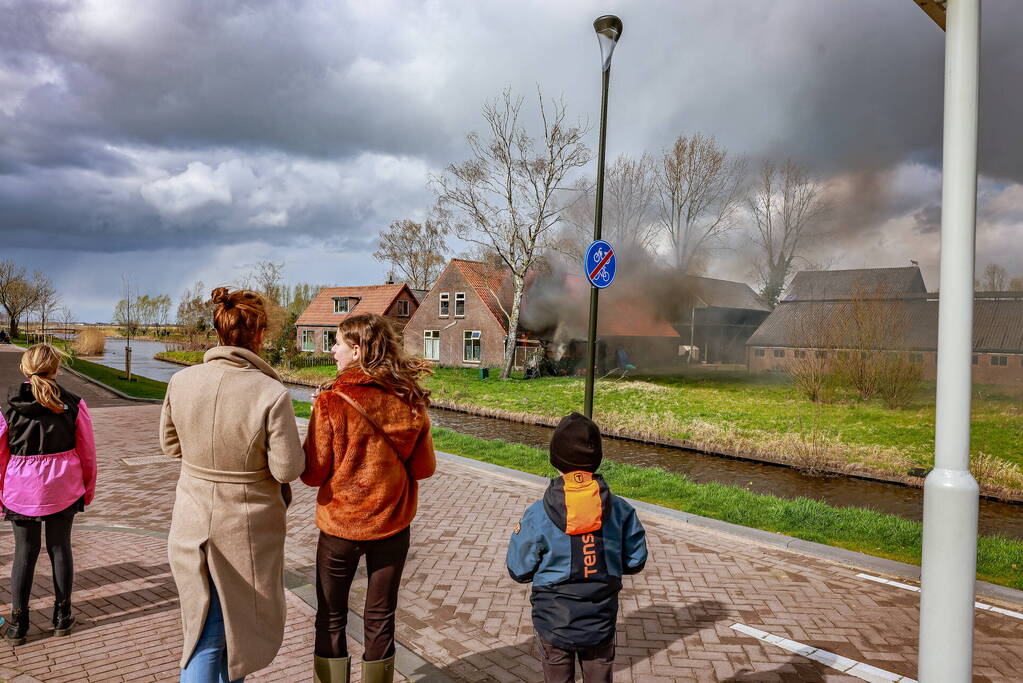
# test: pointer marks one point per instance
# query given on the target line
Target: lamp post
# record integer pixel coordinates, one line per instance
(609, 30)
(949, 563)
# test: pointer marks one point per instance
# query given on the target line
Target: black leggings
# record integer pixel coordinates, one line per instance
(26, 551)
(336, 562)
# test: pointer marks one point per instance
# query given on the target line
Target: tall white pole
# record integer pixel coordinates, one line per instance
(949, 566)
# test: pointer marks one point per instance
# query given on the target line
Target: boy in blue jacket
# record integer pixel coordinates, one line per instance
(574, 546)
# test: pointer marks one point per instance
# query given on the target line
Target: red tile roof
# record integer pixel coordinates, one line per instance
(489, 283)
(372, 299)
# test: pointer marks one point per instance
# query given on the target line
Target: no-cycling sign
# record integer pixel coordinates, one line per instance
(600, 264)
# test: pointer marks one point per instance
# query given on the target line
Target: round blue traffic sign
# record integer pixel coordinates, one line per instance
(600, 264)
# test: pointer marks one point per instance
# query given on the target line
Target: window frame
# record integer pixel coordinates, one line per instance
(760, 353)
(332, 337)
(431, 336)
(404, 308)
(311, 336)
(778, 353)
(999, 361)
(467, 339)
(444, 305)
(459, 299)
(916, 357)
(347, 302)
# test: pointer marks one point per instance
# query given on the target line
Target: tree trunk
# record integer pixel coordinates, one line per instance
(12, 327)
(513, 327)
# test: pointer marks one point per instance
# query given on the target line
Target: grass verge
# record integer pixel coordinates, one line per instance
(138, 387)
(762, 417)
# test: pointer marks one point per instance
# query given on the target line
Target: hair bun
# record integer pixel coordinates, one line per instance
(221, 296)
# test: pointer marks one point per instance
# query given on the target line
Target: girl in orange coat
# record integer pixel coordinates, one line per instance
(368, 444)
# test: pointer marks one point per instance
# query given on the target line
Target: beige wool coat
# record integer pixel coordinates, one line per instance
(231, 422)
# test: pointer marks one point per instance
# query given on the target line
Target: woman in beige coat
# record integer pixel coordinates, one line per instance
(231, 422)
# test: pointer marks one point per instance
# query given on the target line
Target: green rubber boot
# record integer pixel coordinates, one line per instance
(331, 669)
(380, 671)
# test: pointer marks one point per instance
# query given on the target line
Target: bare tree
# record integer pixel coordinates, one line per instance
(267, 278)
(416, 250)
(996, 279)
(787, 205)
(18, 293)
(126, 314)
(195, 317)
(502, 198)
(629, 221)
(700, 189)
(47, 301)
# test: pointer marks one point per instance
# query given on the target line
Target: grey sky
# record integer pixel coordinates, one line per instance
(180, 140)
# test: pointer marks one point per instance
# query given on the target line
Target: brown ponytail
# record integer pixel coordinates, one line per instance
(40, 364)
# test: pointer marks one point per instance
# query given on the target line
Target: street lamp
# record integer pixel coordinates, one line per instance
(609, 30)
(949, 563)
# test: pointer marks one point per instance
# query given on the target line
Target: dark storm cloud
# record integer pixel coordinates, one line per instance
(192, 122)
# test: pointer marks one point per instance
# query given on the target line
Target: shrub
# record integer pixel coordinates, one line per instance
(897, 380)
(89, 342)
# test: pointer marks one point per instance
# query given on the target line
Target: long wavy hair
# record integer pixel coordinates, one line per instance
(40, 364)
(383, 358)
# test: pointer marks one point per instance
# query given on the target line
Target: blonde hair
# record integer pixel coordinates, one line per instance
(40, 364)
(384, 359)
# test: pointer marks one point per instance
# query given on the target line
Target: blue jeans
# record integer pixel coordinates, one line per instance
(208, 663)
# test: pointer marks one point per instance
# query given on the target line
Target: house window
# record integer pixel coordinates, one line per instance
(471, 346)
(342, 304)
(403, 308)
(759, 353)
(800, 353)
(431, 344)
(308, 340)
(864, 355)
(916, 358)
(779, 353)
(328, 340)
(1000, 360)
(444, 304)
(822, 354)
(843, 355)
(976, 359)
(459, 304)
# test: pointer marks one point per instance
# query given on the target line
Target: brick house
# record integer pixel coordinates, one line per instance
(461, 322)
(316, 327)
(793, 329)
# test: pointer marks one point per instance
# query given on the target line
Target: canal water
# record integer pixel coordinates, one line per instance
(995, 518)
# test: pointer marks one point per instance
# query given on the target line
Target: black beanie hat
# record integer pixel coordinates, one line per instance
(575, 444)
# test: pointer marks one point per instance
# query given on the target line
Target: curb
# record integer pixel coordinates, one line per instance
(768, 538)
(115, 392)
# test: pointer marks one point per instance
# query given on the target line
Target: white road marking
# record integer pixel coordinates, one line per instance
(916, 589)
(852, 667)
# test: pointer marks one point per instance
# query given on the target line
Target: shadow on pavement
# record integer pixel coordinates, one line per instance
(796, 670)
(673, 623)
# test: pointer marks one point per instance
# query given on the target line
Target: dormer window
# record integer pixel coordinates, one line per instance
(343, 304)
(403, 308)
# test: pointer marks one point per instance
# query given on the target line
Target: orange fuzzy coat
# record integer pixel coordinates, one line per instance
(367, 491)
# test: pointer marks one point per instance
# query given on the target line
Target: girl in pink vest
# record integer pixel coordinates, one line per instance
(47, 474)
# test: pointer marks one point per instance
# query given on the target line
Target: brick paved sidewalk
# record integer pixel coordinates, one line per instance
(461, 612)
